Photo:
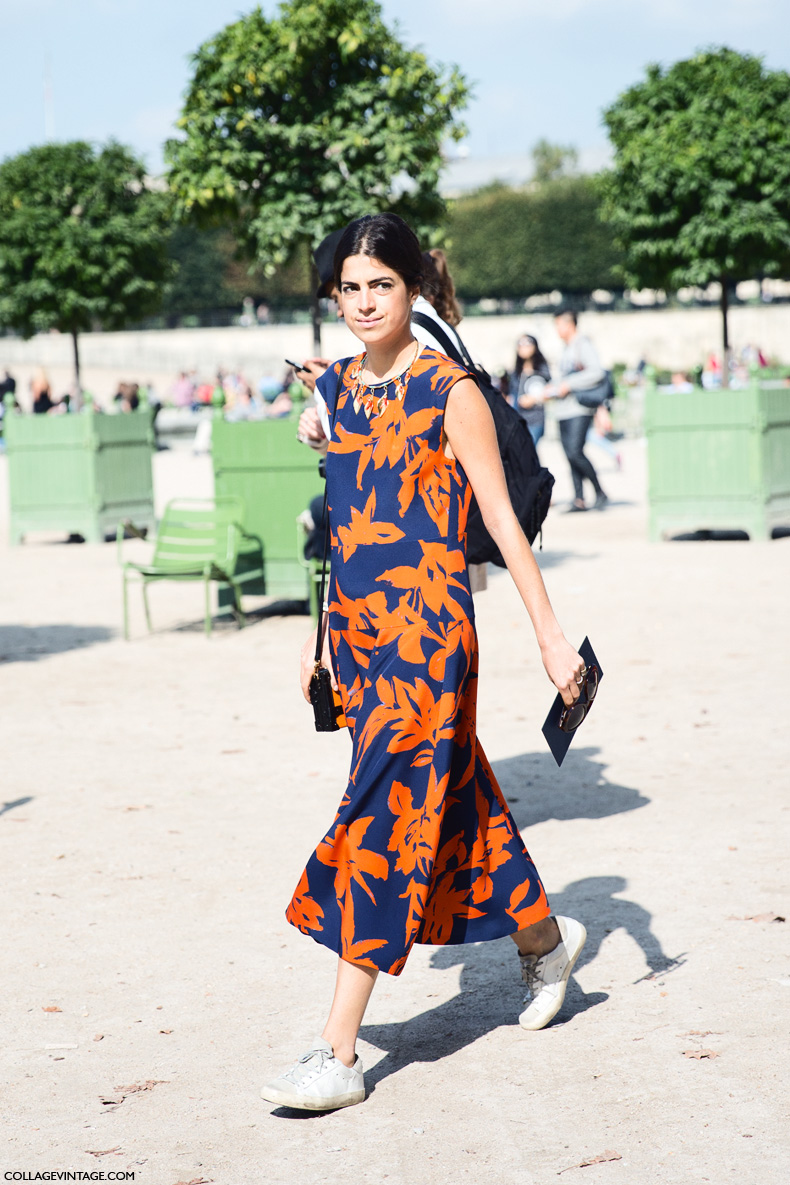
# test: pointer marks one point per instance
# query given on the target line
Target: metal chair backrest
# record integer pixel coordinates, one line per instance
(198, 533)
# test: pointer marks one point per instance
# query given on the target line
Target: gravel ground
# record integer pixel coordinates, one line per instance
(161, 798)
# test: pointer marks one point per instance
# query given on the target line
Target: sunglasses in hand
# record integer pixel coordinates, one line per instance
(574, 715)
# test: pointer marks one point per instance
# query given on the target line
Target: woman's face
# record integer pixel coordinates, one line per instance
(526, 348)
(375, 302)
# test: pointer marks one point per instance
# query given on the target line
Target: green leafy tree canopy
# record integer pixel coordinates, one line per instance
(82, 240)
(700, 188)
(293, 126)
(516, 242)
(551, 161)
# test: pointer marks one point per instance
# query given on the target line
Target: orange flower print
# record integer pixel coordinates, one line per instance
(303, 911)
(439, 571)
(415, 719)
(423, 847)
(362, 530)
(416, 829)
(446, 903)
(353, 862)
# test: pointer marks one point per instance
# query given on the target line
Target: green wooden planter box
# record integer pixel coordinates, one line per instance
(262, 463)
(80, 474)
(719, 460)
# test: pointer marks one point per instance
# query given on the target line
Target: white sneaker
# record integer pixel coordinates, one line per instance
(547, 977)
(318, 1082)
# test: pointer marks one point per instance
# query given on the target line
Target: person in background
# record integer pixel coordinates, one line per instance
(599, 432)
(243, 406)
(127, 397)
(711, 373)
(42, 393)
(8, 387)
(183, 390)
(580, 370)
(680, 384)
(310, 431)
(437, 301)
(530, 377)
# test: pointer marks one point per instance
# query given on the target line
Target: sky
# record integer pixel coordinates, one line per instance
(540, 68)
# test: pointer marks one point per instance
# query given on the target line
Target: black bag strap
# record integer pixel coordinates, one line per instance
(438, 332)
(458, 353)
(319, 636)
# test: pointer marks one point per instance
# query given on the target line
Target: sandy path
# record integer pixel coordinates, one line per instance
(162, 797)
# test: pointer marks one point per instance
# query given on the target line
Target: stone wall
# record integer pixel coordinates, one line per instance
(668, 338)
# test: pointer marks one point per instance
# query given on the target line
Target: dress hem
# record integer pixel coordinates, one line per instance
(369, 964)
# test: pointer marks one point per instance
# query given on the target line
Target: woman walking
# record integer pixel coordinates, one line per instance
(423, 847)
(531, 375)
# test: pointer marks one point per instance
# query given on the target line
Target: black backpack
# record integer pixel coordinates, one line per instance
(528, 483)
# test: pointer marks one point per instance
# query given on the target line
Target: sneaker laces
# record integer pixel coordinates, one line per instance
(297, 1075)
(532, 969)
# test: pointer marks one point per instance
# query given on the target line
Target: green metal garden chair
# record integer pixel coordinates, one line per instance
(197, 540)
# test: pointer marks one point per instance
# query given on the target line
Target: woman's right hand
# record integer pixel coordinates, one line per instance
(309, 430)
(308, 664)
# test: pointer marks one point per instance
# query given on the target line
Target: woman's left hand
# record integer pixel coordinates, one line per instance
(565, 667)
(308, 663)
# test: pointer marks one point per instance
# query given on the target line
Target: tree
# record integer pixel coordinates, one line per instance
(700, 189)
(198, 283)
(82, 241)
(515, 242)
(295, 125)
(552, 161)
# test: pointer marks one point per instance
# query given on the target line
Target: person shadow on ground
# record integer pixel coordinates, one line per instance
(490, 992)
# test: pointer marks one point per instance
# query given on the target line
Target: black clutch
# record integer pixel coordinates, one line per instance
(327, 710)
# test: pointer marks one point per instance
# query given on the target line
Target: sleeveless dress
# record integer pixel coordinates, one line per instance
(423, 847)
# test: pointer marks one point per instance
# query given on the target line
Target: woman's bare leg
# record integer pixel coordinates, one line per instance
(538, 939)
(352, 992)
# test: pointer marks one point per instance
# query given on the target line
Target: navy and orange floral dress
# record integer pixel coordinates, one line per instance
(423, 847)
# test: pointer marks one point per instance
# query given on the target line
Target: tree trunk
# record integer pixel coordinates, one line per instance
(724, 304)
(77, 383)
(315, 308)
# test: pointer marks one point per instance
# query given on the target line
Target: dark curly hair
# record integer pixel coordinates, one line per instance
(386, 237)
(438, 286)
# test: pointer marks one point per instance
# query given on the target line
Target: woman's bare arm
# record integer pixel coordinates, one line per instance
(469, 427)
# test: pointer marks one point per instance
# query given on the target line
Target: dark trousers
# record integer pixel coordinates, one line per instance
(573, 433)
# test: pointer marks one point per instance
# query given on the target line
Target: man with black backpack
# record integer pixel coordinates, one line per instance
(584, 386)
